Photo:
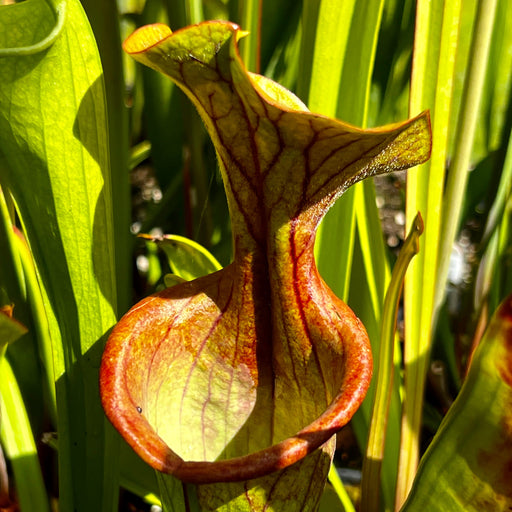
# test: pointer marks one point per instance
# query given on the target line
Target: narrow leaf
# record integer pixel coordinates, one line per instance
(465, 133)
(384, 383)
(18, 443)
(432, 83)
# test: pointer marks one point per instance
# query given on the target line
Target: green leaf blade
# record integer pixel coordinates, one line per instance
(187, 259)
(432, 83)
(467, 466)
(19, 444)
(54, 159)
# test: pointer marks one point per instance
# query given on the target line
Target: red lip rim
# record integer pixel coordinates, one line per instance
(144, 440)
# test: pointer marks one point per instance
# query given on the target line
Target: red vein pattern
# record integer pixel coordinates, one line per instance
(252, 368)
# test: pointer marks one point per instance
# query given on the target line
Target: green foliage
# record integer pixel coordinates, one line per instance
(65, 139)
(456, 472)
(54, 161)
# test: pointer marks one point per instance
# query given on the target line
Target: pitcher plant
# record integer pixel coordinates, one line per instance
(237, 381)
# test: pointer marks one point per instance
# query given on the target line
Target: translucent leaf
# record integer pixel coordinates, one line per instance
(54, 160)
(468, 466)
(187, 259)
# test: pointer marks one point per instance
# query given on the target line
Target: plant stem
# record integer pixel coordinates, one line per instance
(370, 498)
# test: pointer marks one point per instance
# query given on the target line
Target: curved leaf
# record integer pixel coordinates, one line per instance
(468, 466)
(19, 444)
(36, 35)
(187, 259)
(373, 460)
(54, 160)
(201, 378)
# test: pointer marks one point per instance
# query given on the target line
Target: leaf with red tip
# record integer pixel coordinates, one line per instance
(468, 466)
(246, 371)
(10, 328)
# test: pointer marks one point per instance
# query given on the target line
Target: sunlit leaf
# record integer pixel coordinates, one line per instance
(19, 444)
(432, 83)
(54, 160)
(373, 461)
(468, 466)
(187, 259)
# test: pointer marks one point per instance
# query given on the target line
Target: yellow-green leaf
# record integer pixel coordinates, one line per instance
(187, 259)
(54, 160)
(468, 466)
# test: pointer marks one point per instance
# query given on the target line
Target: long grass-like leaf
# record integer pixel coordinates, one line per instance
(104, 20)
(338, 486)
(40, 320)
(334, 250)
(459, 169)
(491, 284)
(18, 442)
(437, 25)
(250, 16)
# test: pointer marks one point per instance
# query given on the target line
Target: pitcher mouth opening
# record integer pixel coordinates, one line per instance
(128, 418)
